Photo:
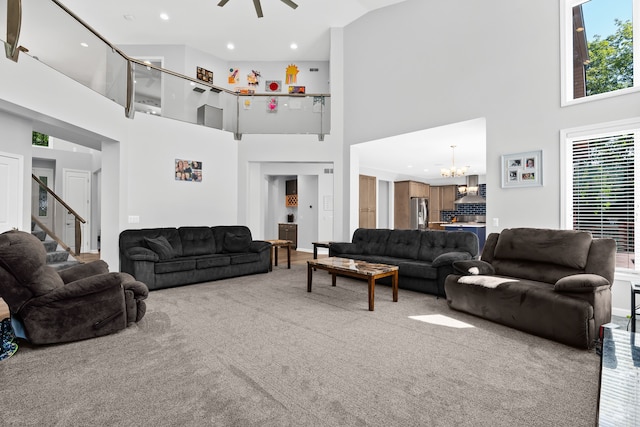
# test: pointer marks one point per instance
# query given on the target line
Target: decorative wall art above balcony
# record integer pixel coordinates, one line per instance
(234, 76)
(204, 75)
(273, 86)
(292, 74)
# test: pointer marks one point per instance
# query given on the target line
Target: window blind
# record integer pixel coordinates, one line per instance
(603, 188)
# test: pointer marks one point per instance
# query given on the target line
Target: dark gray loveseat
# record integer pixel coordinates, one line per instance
(165, 257)
(424, 257)
(551, 283)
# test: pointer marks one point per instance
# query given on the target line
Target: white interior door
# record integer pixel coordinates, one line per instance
(77, 194)
(11, 168)
(41, 201)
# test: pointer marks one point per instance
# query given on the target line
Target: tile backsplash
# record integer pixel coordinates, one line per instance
(467, 208)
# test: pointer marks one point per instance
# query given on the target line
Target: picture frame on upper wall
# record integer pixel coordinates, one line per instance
(522, 169)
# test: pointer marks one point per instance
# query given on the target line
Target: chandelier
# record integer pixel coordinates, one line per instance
(453, 171)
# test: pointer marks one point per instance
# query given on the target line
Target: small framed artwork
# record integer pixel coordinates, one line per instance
(204, 75)
(522, 169)
(188, 170)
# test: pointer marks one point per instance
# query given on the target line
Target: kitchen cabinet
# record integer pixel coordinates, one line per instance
(403, 192)
(291, 193)
(288, 232)
(441, 198)
(291, 187)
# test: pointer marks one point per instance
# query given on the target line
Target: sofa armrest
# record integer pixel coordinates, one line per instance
(80, 271)
(581, 283)
(259, 246)
(138, 253)
(448, 258)
(343, 248)
(473, 267)
(81, 288)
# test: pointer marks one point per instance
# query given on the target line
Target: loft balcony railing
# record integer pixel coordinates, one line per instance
(34, 28)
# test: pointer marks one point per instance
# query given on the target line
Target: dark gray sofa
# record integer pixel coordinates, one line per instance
(166, 257)
(551, 283)
(424, 257)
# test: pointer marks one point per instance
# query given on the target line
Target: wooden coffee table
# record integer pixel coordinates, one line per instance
(358, 269)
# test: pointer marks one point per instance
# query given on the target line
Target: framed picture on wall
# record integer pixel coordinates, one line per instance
(522, 169)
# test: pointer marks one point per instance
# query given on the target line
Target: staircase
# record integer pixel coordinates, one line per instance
(56, 258)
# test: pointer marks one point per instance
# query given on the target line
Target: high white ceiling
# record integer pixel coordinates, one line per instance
(205, 26)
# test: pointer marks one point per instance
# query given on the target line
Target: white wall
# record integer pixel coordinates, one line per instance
(137, 155)
(472, 59)
(13, 130)
(153, 194)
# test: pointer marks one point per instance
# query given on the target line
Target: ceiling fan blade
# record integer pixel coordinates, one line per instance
(222, 2)
(289, 3)
(256, 3)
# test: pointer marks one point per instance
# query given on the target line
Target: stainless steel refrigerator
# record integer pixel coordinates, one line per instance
(419, 213)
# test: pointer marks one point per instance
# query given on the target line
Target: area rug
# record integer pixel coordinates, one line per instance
(262, 351)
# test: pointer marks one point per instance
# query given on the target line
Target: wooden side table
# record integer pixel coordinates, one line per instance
(317, 245)
(279, 244)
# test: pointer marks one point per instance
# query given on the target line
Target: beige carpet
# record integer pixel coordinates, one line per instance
(261, 351)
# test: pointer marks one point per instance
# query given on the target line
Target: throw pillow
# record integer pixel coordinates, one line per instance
(234, 243)
(161, 246)
(473, 267)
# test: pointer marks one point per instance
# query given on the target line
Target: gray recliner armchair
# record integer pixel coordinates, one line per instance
(80, 302)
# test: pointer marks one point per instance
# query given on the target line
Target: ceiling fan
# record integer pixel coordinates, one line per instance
(258, 7)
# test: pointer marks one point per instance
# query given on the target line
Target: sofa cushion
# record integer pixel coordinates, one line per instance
(175, 265)
(197, 241)
(435, 243)
(135, 238)
(244, 258)
(371, 241)
(161, 246)
(403, 244)
(420, 269)
(567, 248)
(212, 261)
(236, 243)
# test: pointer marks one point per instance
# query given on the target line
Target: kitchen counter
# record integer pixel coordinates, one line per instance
(478, 228)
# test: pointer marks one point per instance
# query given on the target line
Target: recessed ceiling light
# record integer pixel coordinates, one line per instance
(230, 46)
(293, 46)
(410, 166)
(83, 44)
(164, 16)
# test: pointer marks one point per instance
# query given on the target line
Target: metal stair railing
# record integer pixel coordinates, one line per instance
(78, 220)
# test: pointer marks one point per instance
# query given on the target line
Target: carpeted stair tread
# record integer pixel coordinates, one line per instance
(39, 234)
(50, 245)
(57, 256)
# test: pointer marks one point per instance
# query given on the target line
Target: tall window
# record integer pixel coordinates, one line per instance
(601, 196)
(598, 47)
